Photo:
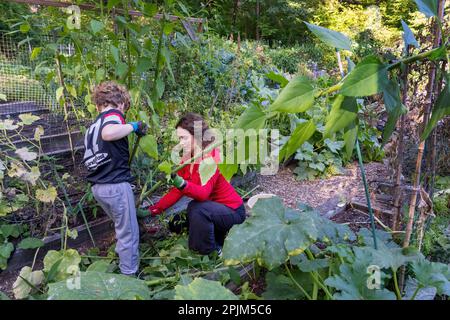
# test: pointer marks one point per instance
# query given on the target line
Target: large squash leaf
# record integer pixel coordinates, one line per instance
(67, 260)
(270, 235)
(394, 258)
(365, 237)
(202, 289)
(273, 233)
(21, 287)
(306, 265)
(297, 96)
(432, 274)
(423, 293)
(351, 282)
(95, 285)
(327, 230)
(281, 287)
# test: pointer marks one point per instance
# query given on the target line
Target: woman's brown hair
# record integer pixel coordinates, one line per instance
(188, 122)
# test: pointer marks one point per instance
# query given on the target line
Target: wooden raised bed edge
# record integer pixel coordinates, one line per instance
(24, 257)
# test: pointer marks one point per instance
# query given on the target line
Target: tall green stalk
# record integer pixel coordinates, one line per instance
(366, 190)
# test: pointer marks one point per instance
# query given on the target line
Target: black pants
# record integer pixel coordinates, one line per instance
(208, 223)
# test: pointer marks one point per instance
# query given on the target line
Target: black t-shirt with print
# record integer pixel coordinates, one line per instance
(106, 161)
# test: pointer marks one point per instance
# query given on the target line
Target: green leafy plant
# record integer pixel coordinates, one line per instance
(288, 245)
(201, 289)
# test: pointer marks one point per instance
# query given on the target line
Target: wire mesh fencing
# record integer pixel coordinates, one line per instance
(24, 91)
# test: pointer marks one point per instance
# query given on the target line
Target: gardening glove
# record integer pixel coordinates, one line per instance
(154, 210)
(139, 127)
(142, 213)
(177, 181)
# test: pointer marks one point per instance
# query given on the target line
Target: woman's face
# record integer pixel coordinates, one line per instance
(187, 141)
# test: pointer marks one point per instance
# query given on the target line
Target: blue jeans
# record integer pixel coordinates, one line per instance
(208, 223)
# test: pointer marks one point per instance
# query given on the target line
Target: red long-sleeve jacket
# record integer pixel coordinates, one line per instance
(217, 188)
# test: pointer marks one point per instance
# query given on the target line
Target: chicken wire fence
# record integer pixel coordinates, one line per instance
(23, 90)
(19, 81)
(24, 85)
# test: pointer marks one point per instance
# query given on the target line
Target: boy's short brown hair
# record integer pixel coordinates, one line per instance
(110, 93)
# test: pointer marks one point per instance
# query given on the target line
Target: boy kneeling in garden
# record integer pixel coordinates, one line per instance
(106, 157)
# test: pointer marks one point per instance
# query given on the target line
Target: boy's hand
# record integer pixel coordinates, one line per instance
(139, 127)
(177, 181)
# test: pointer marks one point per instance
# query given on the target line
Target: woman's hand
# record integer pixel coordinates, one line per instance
(154, 210)
(150, 211)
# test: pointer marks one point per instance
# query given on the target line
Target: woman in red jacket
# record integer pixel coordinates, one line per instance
(215, 207)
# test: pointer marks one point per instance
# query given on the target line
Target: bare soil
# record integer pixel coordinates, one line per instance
(318, 192)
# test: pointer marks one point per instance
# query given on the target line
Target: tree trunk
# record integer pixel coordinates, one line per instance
(235, 13)
(257, 20)
(431, 143)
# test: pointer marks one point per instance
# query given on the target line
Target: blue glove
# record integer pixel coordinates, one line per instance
(135, 125)
(139, 127)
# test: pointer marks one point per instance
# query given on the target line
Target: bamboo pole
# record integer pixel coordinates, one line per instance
(66, 114)
(426, 114)
(416, 178)
(398, 193)
(431, 160)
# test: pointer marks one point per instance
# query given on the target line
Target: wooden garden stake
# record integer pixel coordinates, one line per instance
(398, 193)
(416, 179)
(426, 114)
